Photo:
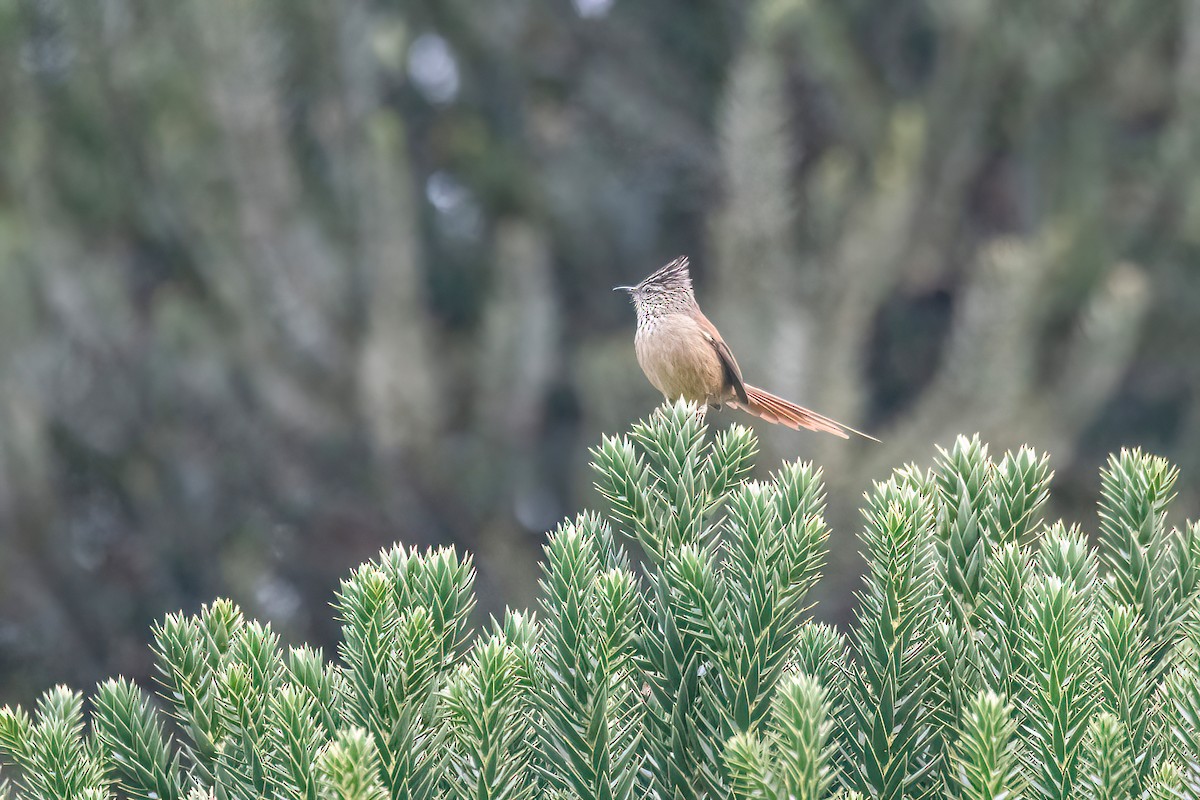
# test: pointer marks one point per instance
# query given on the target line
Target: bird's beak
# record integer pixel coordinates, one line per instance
(622, 288)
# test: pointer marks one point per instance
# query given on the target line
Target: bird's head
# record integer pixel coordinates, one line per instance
(667, 287)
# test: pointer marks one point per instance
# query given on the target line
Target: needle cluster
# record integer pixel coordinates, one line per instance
(672, 656)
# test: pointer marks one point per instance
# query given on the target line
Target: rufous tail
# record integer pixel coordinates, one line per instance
(776, 409)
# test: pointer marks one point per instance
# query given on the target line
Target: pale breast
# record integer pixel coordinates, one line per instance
(679, 359)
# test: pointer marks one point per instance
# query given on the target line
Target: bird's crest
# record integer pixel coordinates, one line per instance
(674, 276)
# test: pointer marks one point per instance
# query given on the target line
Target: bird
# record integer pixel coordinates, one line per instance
(684, 355)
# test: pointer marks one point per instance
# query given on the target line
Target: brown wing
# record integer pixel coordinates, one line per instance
(733, 373)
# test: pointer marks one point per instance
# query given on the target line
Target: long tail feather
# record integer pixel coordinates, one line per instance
(776, 409)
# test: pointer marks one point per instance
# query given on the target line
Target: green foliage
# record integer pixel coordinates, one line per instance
(792, 757)
(350, 768)
(55, 761)
(1168, 783)
(1108, 774)
(589, 695)
(490, 712)
(1008, 576)
(138, 756)
(984, 763)
(894, 701)
(991, 656)
(1152, 567)
(404, 619)
(1180, 712)
(1058, 682)
(1126, 684)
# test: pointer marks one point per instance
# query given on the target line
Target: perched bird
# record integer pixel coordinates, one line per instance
(683, 355)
